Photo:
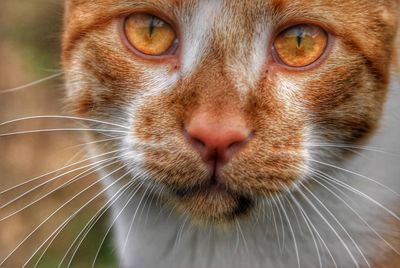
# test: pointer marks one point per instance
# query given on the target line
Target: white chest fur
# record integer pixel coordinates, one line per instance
(348, 234)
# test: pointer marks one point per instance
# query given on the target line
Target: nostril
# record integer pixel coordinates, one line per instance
(198, 142)
(234, 145)
(217, 141)
(241, 141)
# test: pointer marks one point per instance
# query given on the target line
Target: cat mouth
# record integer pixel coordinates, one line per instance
(213, 186)
(213, 202)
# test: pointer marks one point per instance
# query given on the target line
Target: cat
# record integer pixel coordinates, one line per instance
(245, 122)
(222, 114)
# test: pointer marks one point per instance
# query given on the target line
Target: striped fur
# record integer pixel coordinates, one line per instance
(225, 68)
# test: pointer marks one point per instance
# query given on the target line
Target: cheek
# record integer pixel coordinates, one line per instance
(106, 76)
(157, 120)
(334, 89)
(345, 103)
(277, 155)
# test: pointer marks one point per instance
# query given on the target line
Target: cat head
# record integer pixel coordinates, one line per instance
(224, 103)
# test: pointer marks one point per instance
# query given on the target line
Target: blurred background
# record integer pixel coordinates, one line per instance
(30, 34)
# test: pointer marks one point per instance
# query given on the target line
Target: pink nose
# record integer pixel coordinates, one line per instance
(217, 140)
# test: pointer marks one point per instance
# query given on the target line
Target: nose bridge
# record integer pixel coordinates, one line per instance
(214, 86)
(217, 125)
(224, 55)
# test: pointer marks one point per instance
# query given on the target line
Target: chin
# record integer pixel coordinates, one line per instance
(213, 205)
(218, 203)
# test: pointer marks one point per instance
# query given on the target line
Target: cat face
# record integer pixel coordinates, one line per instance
(225, 102)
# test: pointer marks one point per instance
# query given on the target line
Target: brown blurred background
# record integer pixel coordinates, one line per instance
(29, 50)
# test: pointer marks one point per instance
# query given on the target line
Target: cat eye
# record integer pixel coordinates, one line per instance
(150, 35)
(301, 45)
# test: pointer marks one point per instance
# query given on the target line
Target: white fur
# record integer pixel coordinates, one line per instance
(161, 238)
(247, 71)
(196, 33)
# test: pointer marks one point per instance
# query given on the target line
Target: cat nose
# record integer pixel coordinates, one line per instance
(217, 140)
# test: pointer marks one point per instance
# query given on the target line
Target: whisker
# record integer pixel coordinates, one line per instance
(11, 90)
(92, 222)
(353, 190)
(311, 224)
(291, 230)
(133, 218)
(62, 130)
(308, 227)
(65, 223)
(148, 196)
(59, 209)
(330, 226)
(75, 157)
(90, 166)
(281, 221)
(76, 178)
(242, 235)
(62, 117)
(356, 174)
(276, 225)
(353, 210)
(237, 239)
(294, 212)
(96, 142)
(55, 171)
(350, 146)
(151, 202)
(102, 210)
(180, 231)
(114, 221)
(339, 223)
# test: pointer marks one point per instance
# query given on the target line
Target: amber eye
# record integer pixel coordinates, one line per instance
(301, 45)
(150, 35)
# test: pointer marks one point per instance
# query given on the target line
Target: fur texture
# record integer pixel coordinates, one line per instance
(224, 68)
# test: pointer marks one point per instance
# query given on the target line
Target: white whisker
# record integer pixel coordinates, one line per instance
(64, 224)
(291, 231)
(62, 117)
(92, 166)
(275, 225)
(131, 194)
(11, 90)
(329, 224)
(242, 235)
(352, 146)
(352, 189)
(311, 224)
(353, 210)
(62, 130)
(96, 142)
(52, 214)
(103, 209)
(114, 221)
(356, 174)
(281, 221)
(180, 231)
(133, 217)
(55, 171)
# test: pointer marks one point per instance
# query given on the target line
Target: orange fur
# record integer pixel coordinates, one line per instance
(341, 97)
(330, 91)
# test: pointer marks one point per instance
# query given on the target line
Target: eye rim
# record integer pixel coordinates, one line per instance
(315, 64)
(171, 54)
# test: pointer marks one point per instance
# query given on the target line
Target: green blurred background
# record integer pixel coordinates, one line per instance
(30, 32)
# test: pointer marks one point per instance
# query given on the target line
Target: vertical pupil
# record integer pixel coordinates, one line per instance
(152, 26)
(299, 37)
